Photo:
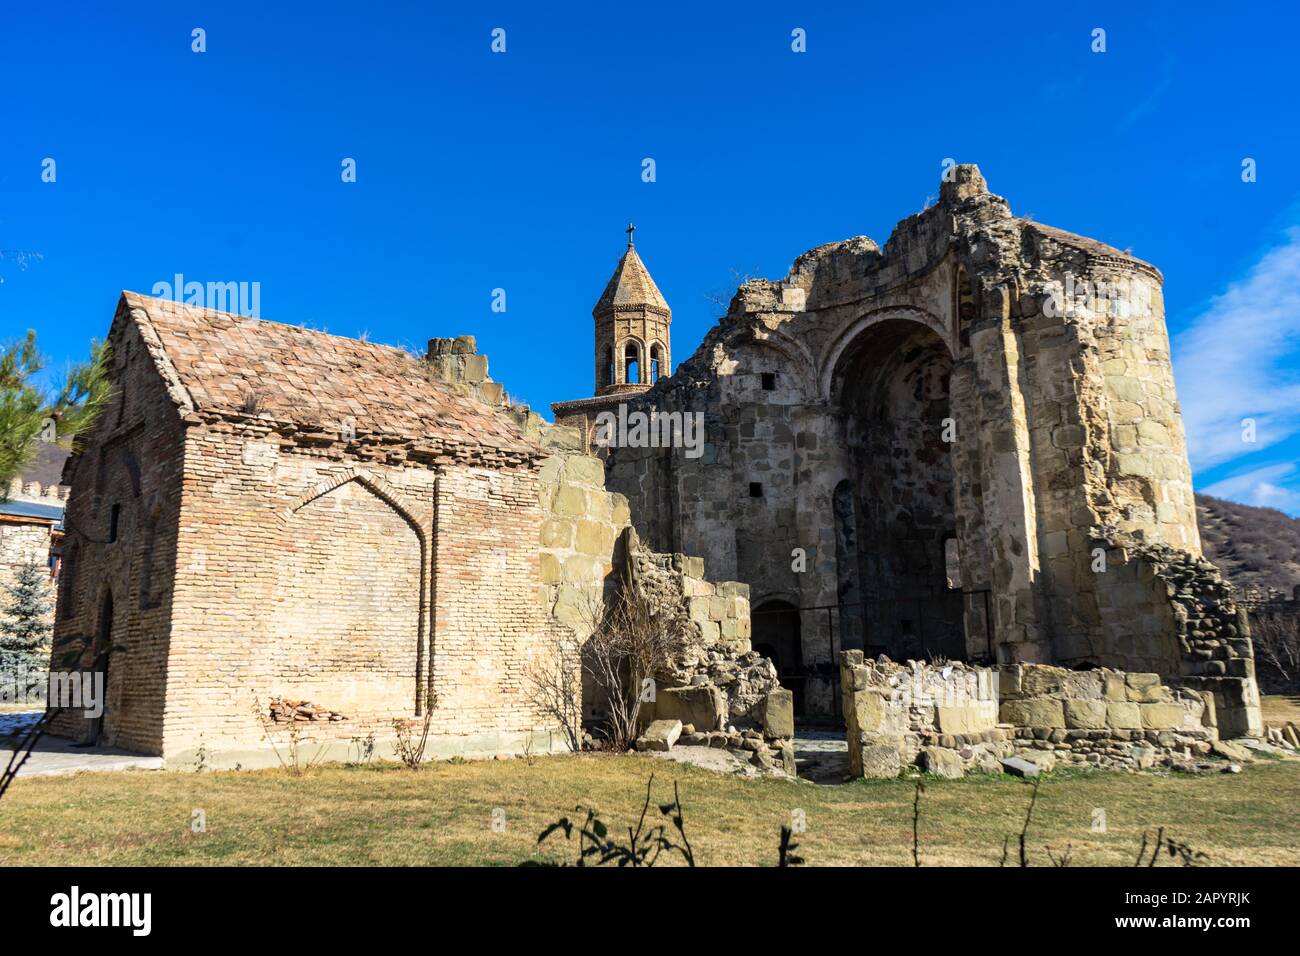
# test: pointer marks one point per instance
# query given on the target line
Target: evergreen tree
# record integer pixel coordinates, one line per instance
(30, 415)
(25, 630)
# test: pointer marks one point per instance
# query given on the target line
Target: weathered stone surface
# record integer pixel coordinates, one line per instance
(788, 760)
(1085, 714)
(1230, 751)
(1144, 687)
(704, 706)
(1034, 712)
(778, 714)
(1161, 716)
(1020, 767)
(1123, 716)
(869, 709)
(881, 761)
(660, 735)
(962, 720)
(941, 762)
(1116, 688)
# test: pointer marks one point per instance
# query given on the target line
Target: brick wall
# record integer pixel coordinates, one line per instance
(131, 460)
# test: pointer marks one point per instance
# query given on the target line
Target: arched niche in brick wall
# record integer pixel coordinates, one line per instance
(352, 594)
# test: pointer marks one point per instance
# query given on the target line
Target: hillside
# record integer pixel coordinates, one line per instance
(1254, 547)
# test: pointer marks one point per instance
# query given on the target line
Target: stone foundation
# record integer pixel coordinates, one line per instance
(952, 718)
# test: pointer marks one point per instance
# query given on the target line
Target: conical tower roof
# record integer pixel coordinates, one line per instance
(631, 286)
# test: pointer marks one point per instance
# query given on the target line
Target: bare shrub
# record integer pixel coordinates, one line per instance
(632, 642)
(554, 682)
(293, 760)
(408, 747)
(1277, 651)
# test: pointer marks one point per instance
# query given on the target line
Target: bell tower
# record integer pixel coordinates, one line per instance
(633, 346)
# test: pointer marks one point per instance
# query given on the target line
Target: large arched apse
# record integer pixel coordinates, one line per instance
(891, 385)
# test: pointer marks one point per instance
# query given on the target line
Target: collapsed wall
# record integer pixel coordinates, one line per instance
(952, 718)
(589, 551)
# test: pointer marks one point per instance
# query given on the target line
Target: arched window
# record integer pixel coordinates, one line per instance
(656, 363)
(632, 364)
(608, 371)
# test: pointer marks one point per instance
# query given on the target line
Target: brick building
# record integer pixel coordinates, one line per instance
(268, 511)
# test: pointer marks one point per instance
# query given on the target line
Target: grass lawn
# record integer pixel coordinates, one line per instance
(385, 814)
(1280, 708)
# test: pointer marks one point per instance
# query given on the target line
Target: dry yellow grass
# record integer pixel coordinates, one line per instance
(1280, 708)
(443, 814)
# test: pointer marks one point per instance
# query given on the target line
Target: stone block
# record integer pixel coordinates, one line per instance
(660, 735)
(1039, 680)
(787, 759)
(704, 706)
(1020, 767)
(570, 502)
(582, 470)
(961, 720)
(1009, 680)
(941, 762)
(1144, 687)
(581, 567)
(1231, 751)
(595, 538)
(550, 568)
(1034, 712)
(1085, 714)
(880, 761)
(476, 368)
(869, 709)
(620, 510)
(1162, 716)
(1115, 687)
(1082, 685)
(1123, 715)
(778, 714)
(698, 608)
(557, 534)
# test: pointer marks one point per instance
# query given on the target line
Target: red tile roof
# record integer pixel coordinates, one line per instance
(315, 380)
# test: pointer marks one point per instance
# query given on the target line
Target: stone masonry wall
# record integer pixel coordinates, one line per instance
(587, 551)
(1062, 431)
(951, 718)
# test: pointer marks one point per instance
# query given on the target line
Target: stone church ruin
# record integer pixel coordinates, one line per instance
(962, 450)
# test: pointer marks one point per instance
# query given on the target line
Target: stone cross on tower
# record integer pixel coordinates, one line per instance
(629, 230)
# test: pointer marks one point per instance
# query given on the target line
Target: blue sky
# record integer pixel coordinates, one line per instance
(520, 170)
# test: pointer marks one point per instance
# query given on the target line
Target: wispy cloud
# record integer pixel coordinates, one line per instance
(1241, 360)
(1157, 93)
(1265, 487)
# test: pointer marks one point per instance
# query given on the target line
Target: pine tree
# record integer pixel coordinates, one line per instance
(30, 414)
(25, 630)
